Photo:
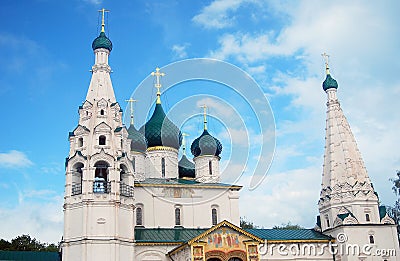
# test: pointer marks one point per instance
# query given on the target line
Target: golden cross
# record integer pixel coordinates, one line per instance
(205, 115)
(158, 75)
(326, 58)
(103, 11)
(131, 101)
(184, 142)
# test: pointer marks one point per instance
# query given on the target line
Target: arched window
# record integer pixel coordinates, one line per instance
(134, 163)
(177, 216)
(214, 216)
(101, 112)
(100, 184)
(102, 140)
(327, 221)
(77, 179)
(371, 239)
(210, 167)
(163, 167)
(367, 218)
(80, 142)
(139, 216)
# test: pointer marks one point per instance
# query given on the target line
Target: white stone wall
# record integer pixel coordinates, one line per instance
(153, 163)
(202, 168)
(195, 205)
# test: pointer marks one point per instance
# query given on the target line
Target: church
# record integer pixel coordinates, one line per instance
(128, 196)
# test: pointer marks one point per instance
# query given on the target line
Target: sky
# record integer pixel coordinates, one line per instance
(45, 62)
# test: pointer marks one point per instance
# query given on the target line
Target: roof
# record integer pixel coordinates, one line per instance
(166, 235)
(180, 235)
(206, 144)
(163, 182)
(382, 212)
(160, 131)
(138, 141)
(329, 83)
(186, 168)
(29, 256)
(288, 234)
(102, 42)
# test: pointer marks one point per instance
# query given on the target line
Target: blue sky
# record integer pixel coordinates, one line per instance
(45, 51)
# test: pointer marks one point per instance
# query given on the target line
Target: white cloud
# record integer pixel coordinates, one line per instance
(14, 159)
(217, 14)
(179, 51)
(283, 197)
(361, 38)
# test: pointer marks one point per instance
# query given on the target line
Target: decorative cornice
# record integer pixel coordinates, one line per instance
(165, 148)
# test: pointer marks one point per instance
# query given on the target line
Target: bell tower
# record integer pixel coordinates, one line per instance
(348, 205)
(99, 199)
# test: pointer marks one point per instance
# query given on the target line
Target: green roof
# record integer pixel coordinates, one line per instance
(206, 145)
(160, 131)
(382, 212)
(138, 141)
(186, 168)
(102, 42)
(29, 256)
(329, 83)
(181, 182)
(181, 235)
(288, 234)
(166, 235)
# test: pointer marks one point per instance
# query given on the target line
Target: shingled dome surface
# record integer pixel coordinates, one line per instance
(138, 141)
(160, 131)
(206, 145)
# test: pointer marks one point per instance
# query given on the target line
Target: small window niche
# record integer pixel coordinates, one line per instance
(80, 142)
(102, 140)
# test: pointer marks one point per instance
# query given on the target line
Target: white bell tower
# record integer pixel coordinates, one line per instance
(348, 205)
(99, 199)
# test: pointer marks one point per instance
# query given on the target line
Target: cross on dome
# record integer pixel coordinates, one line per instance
(158, 75)
(130, 102)
(205, 115)
(103, 11)
(184, 135)
(326, 58)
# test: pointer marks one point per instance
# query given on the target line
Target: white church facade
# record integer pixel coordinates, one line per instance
(129, 197)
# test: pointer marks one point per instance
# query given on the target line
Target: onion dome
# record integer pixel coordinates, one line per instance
(206, 145)
(329, 82)
(160, 131)
(138, 141)
(102, 41)
(186, 168)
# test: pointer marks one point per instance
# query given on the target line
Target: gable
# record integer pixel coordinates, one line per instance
(102, 127)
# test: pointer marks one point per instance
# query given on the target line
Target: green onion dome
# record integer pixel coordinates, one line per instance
(138, 141)
(329, 83)
(206, 145)
(186, 168)
(102, 42)
(160, 131)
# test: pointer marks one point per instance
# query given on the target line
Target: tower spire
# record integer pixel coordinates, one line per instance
(103, 11)
(184, 135)
(130, 102)
(204, 115)
(157, 85)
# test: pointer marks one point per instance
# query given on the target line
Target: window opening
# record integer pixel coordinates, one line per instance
(102, 140)
(214, 216)
(177, 216)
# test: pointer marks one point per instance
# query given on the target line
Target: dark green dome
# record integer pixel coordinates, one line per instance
(206, 145)
(186, 168)
(329, 83)
(102, 42)
(138, 141)
(160, 131)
